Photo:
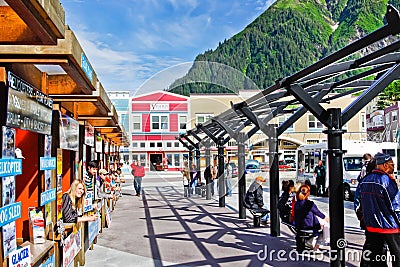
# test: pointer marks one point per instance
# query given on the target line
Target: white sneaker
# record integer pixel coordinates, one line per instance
(309, 243)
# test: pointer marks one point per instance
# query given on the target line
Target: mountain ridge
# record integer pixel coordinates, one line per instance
(289, 36)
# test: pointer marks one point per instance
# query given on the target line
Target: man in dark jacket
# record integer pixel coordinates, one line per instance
(254, 198)
(380, 202)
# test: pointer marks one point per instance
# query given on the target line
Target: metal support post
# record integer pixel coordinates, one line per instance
(336, 206)
(221, 170)
(197, 156)
(190, 156)
(241, 174)
(274, 185)
(208, 163)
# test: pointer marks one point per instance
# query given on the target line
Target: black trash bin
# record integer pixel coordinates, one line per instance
(199, 189)
(203, 190)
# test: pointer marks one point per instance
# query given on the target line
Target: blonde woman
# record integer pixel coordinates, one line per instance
(72, 204)
(186, 179)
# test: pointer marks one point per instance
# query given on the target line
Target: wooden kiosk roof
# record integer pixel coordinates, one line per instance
(38, 36)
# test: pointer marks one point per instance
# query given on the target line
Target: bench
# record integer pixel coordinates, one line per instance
(301, 235)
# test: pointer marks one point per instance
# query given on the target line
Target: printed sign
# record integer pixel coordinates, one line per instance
(89, 134)
(158, 106)
(20, 257)
(37, 224)
(10, 213)
(50, 262)
(48, 196)
(28, 108)
(69, 133)
(10, 167)
(88, 202)
(8, 149)
(93, 229)
(9, 238)
(86, 67)
(72, 245)
(48, 163)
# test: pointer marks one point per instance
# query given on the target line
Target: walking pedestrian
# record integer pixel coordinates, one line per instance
(194, 179)
(186, 179)
(138, 174)
(380, 199)
(228, 177)
(320, 174)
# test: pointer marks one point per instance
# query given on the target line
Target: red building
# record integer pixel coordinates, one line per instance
(156, 120)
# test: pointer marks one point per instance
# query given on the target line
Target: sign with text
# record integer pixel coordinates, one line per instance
(86, 67)
(48, 163)
(88, 204)
(69, 133)
(93, 230)
(159, 106)
(48, 196)
(20, 257)
(72, 245)
(10, 167)
(28, 108)
(89, 134)
(10, 213)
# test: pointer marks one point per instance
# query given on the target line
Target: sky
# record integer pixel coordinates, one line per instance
(134, 45)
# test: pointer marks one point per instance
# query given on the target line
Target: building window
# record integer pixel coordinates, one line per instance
(312, 141)
(282, 119)
(159, 144)
(202, 118)
(169, 157)
(182, 122)
(136, 123)
(159, 122)
(363, 122)
(169, 144)
(313, 124)
(176, 160)
(134, 144)
(152, 144)
(394, 115)
(142, 145)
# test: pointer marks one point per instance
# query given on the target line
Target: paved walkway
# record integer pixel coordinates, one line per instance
(162, 228)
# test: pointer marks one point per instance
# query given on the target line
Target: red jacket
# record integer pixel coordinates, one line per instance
(138, 171)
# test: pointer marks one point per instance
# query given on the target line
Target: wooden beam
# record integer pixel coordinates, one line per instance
(14, 30)
(45, 18)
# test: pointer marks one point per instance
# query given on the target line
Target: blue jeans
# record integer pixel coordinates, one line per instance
(137, 183)
(228, 182)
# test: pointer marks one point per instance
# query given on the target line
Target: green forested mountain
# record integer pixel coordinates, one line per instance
(289, 36)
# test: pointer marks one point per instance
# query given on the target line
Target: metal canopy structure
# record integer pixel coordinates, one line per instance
(350, 69)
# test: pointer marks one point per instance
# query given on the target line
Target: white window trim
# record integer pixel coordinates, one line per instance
(159, 115)
(140, 124)
(211, 115)
(313, 129)
(179, 122)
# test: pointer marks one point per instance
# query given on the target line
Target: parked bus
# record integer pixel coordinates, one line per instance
(307, 157)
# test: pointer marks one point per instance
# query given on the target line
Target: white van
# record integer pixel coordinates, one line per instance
(307, 157)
